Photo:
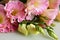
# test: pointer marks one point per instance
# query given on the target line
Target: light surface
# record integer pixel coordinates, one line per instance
(18, 36)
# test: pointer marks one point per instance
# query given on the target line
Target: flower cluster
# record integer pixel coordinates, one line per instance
(31, 17)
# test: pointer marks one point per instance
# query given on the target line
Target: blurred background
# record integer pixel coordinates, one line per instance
(5, 1)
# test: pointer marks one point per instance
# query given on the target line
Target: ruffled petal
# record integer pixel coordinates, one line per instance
(5, 25)
(36, 7)
(51, 15)
(15, 11)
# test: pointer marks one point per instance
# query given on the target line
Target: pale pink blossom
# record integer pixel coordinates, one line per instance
(51, 15)
(15, 11)
(36, 7)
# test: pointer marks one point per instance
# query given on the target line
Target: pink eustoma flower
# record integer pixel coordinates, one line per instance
(36, 7)
(51, 15)
(15, 11)
(5, 25)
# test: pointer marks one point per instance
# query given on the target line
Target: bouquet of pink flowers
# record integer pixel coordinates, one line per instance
(29, 17)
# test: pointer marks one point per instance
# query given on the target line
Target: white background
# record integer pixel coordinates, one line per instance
(18, 36)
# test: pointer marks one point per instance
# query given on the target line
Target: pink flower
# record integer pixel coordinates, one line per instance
(5, 25)
(36, 7)
(15, 11)
(54, 3)
(51, 14)
(29, 16)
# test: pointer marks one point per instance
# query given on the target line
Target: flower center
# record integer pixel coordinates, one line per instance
(36, 4)
(14, 12)
(1, 19)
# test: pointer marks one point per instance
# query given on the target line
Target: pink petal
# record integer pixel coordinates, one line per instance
(15, 10)
(29, 17)
(5, 25)
(51, 14)
(36, 7)
(11, 5)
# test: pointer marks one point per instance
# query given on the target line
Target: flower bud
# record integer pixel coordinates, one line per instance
(41, 30)
(53, 35)
(22, 29)
(32, 29)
